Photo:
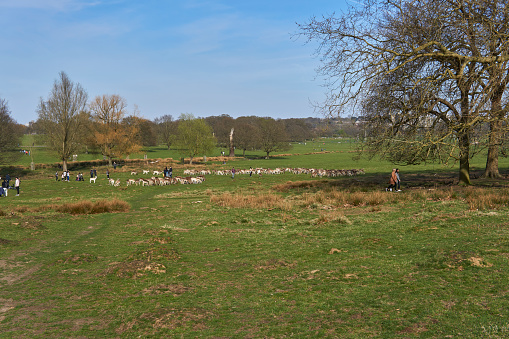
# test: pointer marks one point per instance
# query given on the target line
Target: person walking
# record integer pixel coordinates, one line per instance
(108, 174)
(233, 172)
(56, 176)
(392, 181)
(398, 181)
(16, 186)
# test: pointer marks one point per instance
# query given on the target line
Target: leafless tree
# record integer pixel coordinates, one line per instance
(63, 116)
(428, 63)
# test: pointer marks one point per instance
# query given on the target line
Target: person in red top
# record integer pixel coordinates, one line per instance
(392, 181)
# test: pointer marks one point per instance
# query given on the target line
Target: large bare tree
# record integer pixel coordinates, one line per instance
(63, 116)
(432, 59)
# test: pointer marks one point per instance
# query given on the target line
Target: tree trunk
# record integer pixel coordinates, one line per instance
(491, 170)
(495, 137)
(190, 160)
(110, 163)
(232, 149)
(464, 144)
(64, 165)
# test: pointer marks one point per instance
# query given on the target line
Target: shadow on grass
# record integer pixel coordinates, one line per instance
(14, 171)
(410, 180)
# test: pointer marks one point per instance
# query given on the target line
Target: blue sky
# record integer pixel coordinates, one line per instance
(205, 57)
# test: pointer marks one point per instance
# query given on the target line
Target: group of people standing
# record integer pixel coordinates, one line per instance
(394, 181)
(168, 172)
(6, 183)
(66, 176)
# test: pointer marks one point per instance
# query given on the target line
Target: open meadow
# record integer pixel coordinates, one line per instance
(270, 255)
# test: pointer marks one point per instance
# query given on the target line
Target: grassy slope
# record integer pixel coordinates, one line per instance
(350, 261)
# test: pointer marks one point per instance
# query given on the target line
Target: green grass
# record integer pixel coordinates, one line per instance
(337, 258)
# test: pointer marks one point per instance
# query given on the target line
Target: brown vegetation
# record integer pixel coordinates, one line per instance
(316, 195)
(88, 207)
(265, 200)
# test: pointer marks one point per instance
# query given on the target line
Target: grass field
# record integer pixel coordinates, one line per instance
(253, 257)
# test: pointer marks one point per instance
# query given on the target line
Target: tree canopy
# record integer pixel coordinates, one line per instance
(423, 73)
(10, 134)
(194, 137)
(114, 133)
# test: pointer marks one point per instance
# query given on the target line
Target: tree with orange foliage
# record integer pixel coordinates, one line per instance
(114, 132)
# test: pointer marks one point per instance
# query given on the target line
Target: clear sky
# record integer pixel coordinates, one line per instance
(205, 57)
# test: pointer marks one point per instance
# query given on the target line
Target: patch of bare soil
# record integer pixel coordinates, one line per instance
(5, 305)
(10, 278)
(141, 263)
(191, 318)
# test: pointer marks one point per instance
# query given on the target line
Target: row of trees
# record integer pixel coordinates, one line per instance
(69, 122)
(10, 134)
(430, 76)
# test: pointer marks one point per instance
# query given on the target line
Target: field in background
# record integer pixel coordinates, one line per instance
(327, 153)
(262, 256)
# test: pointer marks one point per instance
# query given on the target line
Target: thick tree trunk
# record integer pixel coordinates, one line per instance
(464, 144)
(491, 170)
(64, 165)
(495, 137)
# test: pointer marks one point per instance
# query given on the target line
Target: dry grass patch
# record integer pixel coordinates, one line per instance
(484, 199)
(261, 201)
(332, 216)
(291, 185)
(88, 207)
(335, 197)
